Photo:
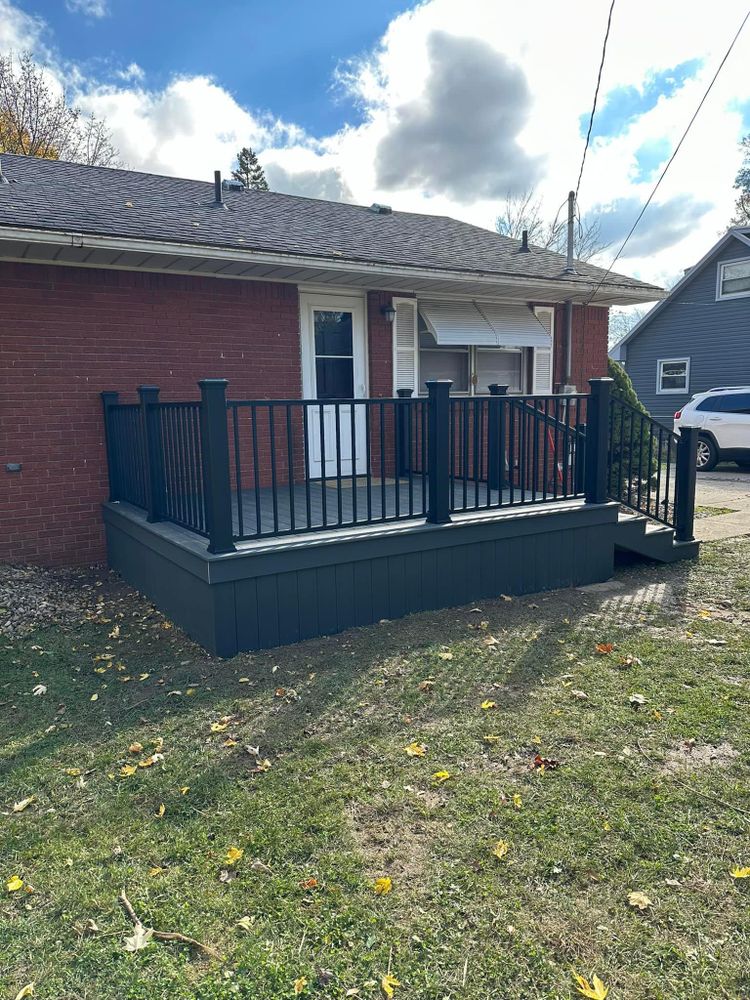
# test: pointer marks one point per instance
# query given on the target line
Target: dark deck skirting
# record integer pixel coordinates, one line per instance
(277, 591)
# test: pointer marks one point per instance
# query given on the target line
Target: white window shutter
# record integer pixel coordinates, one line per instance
(405, 345)
(543, 356)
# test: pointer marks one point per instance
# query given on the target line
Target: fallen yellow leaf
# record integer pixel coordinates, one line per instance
(500, 849)
(127, 770)
(135, 747)
(299, 985)
(233, 855)
(388, 983)
(740, 873)
(517, 801)
(596, 990)
(94, 697)
(416, 749)
(156, 870)
(14, 883)
(218, 727)
(18, 807)
(184, 789)
(229, 742)
(445, 655)
(161, 810)
(143, 677)
(146, 762)
(440, 776)
(382, 886)
(74, 772)
(639, 900)
(488, 703)
(27, 991)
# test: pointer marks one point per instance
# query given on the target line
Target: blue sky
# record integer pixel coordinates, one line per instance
(278, 57)
(447, 106)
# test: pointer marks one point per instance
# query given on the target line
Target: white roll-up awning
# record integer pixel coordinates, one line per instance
(457, 324)
(515, 326)
(483, 324)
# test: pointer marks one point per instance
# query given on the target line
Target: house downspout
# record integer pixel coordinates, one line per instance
(569, 269)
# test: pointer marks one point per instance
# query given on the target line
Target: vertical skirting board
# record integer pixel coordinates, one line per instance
(264, 597)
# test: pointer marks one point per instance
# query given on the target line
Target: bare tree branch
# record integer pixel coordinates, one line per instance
(526, 212)
(37, 119)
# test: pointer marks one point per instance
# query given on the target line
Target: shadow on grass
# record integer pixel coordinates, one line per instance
(148, 645)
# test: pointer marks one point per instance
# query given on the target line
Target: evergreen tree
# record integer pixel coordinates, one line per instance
(249, 170)
(632, 449)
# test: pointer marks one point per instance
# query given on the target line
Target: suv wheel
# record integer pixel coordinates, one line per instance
(708, 455)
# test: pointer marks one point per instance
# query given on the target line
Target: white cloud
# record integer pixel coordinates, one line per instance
(89, 8)
(511, 81)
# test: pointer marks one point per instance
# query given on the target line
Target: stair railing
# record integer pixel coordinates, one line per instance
(650, 468)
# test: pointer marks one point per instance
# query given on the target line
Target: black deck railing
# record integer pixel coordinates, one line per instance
(237, 470)
(650, 469)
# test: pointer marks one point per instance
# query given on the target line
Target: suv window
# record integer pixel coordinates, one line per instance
(736, 402)
(712, 404)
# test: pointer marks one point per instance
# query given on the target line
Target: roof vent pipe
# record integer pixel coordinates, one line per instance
(525, 242)
(218, 196)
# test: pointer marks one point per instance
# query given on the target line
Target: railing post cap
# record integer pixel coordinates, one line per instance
(213, 381)
(109, 395)
(498, 389)
(148, 388)
(439, 384)
(404, 393)
(600, 383)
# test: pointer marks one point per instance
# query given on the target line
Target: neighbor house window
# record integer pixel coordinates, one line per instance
(673, 375)
(734, 279)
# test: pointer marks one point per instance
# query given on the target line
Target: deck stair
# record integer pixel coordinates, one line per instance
(641, 536)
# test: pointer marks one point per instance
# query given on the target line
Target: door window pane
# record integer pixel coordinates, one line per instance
(333, 333)
(502, 367)
(334, 378)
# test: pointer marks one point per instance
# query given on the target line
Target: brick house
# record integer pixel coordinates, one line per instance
(111, 278)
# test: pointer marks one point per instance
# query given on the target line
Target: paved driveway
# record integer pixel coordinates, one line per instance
(727, 486)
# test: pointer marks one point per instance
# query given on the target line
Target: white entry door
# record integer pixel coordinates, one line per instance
(334, 368)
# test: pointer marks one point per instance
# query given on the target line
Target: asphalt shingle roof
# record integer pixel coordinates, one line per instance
(54, 195)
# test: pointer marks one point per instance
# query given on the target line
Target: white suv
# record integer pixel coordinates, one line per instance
(723, 416)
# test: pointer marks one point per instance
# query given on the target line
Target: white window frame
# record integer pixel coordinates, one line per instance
(471, 351)
(722, 296)
(659, 376)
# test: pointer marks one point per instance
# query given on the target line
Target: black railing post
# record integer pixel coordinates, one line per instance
(110, 399)
(495, 444)
(687, 454)
(149, 396)
(438, 451)
(597, 440)
(403, 442)
(580, 458)
(215, 449)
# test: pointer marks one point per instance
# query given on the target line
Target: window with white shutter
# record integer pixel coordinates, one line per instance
(542, 372)
(405, 347)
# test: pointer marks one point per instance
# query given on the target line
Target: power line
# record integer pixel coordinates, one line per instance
(675, 152)
(596, 97)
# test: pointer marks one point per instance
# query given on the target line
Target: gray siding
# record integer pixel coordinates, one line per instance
(714, 335)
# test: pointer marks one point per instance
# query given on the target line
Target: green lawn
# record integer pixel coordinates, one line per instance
(326, 800)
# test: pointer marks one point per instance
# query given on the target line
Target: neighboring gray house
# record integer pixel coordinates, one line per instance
(698, 337)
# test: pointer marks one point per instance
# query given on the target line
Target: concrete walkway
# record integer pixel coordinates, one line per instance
(726, 486)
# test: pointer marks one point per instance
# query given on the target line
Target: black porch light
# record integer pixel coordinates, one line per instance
(388, 312)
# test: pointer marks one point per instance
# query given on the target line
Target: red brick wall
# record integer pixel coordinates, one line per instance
(589, 355)
(67, 334)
